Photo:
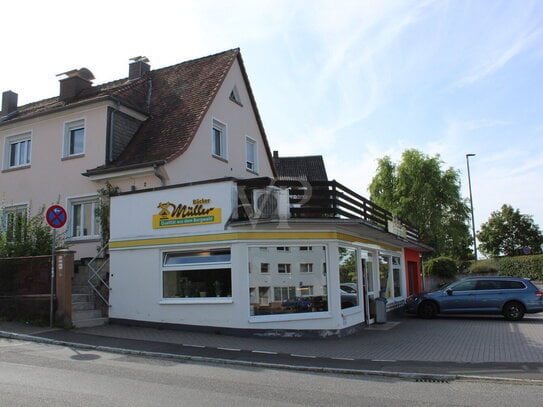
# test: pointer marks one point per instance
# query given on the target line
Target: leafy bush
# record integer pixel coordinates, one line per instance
(518, 266)
(27, 237)
(485, 266)
(522, 266)
(441, 266)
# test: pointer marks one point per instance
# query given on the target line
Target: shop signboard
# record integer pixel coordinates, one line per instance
(197, 212)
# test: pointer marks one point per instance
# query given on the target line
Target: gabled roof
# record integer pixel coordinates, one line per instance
(309, 168)
(130, 93)
(174, 98)
(179, 99)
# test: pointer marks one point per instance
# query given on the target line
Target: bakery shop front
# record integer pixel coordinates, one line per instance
(257, 257)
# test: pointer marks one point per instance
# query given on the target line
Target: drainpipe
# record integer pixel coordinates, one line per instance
(422, 272)
(159, 175)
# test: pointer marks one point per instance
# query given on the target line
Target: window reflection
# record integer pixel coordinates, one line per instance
(197, 274)
(348, 278)
(390, 276)
(292, 279)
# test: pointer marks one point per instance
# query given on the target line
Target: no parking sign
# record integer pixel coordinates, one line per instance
(56, 216)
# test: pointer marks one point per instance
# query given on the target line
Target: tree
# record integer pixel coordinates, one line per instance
(420, 192)
(510, 233)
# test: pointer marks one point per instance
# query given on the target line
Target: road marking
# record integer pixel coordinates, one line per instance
(195, 346)
(383, 360)
(342, 358)
(303, 356)
(267, 352)
(230, 349)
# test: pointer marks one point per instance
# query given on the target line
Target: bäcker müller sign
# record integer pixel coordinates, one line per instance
(199, 212)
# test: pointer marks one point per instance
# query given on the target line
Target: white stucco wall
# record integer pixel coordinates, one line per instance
(50, 179)
(198, 163)
(137, 252)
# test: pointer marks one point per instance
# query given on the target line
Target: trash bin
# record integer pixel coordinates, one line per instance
(380, 310)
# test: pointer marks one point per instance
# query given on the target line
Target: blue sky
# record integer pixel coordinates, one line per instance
(350, 80)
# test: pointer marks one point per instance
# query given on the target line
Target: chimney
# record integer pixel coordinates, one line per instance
(138, 67)
(74, 82)
(275, 154)
(9, 102)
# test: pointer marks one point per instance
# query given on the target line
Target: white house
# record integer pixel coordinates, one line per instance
(192, 121)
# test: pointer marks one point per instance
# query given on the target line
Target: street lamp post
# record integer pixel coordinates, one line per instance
(471, 203)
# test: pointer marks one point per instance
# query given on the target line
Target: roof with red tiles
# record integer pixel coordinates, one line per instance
(175, 99)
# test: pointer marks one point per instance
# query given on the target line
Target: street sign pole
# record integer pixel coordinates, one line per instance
(56, 217)
(51, 301)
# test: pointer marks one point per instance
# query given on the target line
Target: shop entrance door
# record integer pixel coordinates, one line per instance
(368, 286)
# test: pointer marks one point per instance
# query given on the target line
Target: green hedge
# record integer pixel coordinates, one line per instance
(490, 266)
(522, 266)
(518, 266)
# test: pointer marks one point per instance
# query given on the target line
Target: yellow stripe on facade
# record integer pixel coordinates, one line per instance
(243, 236)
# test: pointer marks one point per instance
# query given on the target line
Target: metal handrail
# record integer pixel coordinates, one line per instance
(94, 273)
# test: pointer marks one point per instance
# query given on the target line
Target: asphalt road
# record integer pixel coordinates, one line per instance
(48, 375)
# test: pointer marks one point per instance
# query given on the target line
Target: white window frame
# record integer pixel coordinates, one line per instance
(220, 152)
(94, 226)
(6, 211)
(69, 127)
(287, 268)
(394, 296)
(251, 146)
(284, 293)
(18, 140)
(195, 266)
(306, 267)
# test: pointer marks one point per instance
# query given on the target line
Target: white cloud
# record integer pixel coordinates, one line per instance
(495, 57)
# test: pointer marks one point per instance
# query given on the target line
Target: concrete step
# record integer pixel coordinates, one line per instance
(87, 323)
(82, 306)
(81, 275)
(80, 289)
(80, 298)
(78, 315)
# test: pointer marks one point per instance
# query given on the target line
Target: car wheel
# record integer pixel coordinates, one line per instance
(513, 311)
(427, 309)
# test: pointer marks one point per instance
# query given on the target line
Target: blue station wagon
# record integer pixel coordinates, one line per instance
(509, 296)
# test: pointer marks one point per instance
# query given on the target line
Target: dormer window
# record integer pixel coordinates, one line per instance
(74, 139)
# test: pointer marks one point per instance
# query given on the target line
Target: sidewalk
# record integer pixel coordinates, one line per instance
(482, 346)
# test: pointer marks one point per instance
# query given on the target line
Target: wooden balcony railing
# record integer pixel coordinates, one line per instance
(325, 199)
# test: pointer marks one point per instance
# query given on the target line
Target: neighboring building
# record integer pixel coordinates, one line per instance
(309, 168)
(189, 122)
(257, 255)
